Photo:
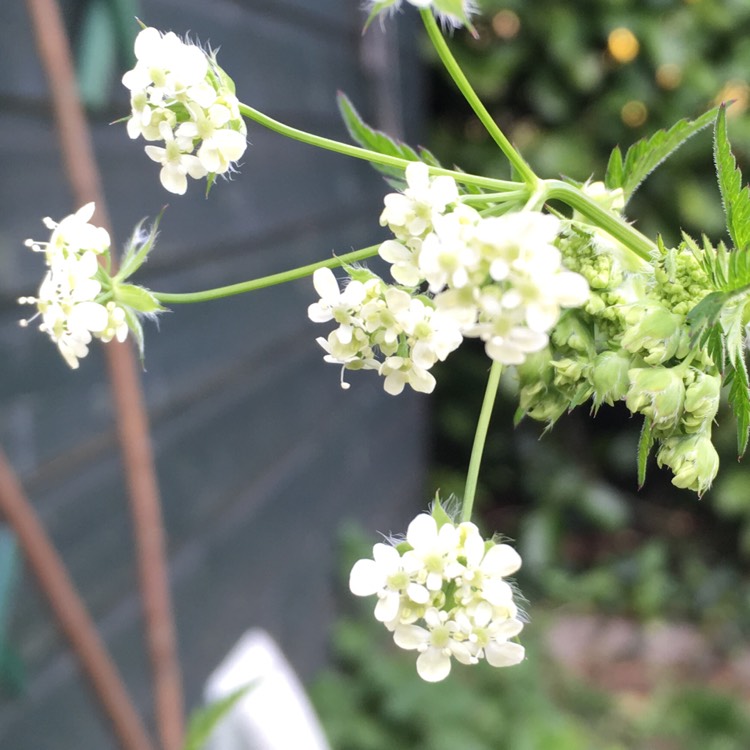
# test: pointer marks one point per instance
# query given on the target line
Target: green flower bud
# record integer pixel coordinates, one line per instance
(655, 330)
(658, 393)
(702, 397)
(568, 371)
(693, 460)
(536, 368)
(571, 332)
(542, 403)
(609, 376)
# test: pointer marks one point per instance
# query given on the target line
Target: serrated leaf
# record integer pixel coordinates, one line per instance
(734, 195)
(614, 176)
(205, 720)
(644, 449)
(704, 317)
(739, 400)
(646, 155)
(376, 140)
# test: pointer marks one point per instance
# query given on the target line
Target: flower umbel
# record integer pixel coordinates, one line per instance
(180, 95)
(68, 298)
(78, 300)
(443, 593)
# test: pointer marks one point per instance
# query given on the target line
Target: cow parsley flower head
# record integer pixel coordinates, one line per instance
(78, 300)
(67, 300)
(443, 592)
(180, 95)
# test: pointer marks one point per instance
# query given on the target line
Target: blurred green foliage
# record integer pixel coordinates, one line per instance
(569, 81)
(372, 699)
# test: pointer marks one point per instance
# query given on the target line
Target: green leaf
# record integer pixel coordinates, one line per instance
(704, 317)
(438, 512)
(739, 400)
(644, 449)
(734, 194)
(646, 155)
(210, 181)
(138, 299)
(376, 140)
(615, 175)
(204, 720)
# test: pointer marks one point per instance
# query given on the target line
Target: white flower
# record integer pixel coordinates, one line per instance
(220, 143)
(403, 258)
(411, 214)
(176, 161)
(401, 371)
(167, 63)
(387, 577)
(436, 645)
(334, 304)
(442, 592)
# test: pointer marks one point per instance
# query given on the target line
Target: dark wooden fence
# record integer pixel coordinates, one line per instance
(260, 454)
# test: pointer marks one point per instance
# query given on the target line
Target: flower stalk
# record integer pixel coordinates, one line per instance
(480, 438)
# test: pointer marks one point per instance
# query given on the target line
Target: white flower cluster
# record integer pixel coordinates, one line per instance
(66, 301)
(181, 96)
(443, 593)
(382, 328)
(499, 278)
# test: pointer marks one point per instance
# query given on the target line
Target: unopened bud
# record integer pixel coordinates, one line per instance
(658, 393)
(702, 398)
(654, 330)
(609, 376)
(693, 460)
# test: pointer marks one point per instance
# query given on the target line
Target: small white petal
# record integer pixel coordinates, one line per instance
(366, 578)
(433, 665)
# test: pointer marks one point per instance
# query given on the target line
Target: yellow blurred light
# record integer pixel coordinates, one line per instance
(623, 45)
(634, 113)
(669, 76)
(736, 91)
(506, 24)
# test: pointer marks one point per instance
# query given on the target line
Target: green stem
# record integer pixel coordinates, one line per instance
(495, 198)
(373, 157)
(620, 230)
(472, 475)
(265, 281)
(454, 69)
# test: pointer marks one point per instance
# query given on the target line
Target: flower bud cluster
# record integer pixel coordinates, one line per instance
(499, 279)
(67, 301)
(630, 343)
(180, 95)
(443, 593)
